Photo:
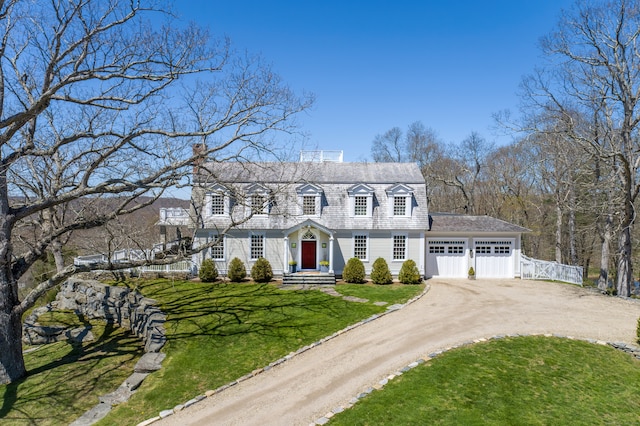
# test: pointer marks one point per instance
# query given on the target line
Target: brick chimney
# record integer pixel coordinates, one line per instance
(199, 156)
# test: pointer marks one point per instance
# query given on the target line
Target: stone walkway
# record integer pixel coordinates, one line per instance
(325, 378)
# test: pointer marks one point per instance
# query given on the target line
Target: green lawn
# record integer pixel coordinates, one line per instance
(218, 333)
(65, 380)
(512, 381)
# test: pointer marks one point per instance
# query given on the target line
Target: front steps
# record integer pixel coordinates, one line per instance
(309, 278)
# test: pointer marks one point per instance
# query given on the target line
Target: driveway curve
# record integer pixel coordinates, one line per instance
(313, 383)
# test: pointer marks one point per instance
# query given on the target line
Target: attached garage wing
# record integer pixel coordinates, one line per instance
(447, 258)
(494, 258)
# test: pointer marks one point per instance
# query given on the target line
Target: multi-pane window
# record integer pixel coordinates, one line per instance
(399, 247)
(217, 251)
(309, 205)
(502, 250)
(360, 247)
(436, 249)
(483, 249)
(217, 204)
(455, 249)
(400, 206)
(258, 204)
(360, 206)
(257, 246)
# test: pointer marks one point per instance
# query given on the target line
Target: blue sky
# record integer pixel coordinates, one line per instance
(373, 65)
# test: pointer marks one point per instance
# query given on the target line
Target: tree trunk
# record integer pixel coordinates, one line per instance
(605, 253)
(625, 268)
(11, 361)
(573, 252)
(558, 232)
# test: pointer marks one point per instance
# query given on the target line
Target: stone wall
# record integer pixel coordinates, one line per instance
(118, 305)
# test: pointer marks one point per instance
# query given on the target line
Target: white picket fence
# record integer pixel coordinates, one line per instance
(534, 269)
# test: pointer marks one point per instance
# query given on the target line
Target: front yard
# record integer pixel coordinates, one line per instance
(216, 334)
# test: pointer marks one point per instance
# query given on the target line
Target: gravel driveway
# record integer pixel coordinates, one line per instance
(311, 384)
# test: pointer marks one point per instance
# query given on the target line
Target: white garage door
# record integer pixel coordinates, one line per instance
(447, 258)
(494, 258)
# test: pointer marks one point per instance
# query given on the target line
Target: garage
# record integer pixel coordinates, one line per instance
(455, 242)
(494, 258)
(447, 258)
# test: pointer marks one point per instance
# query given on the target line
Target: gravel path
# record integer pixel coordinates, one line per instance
(313, 383)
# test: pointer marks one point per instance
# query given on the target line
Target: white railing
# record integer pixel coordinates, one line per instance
(321, 156)
(534, 269)
(182, 266)
(174, 216)
(122, 256)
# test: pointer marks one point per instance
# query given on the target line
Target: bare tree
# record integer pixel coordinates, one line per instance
(594, 68)
(91, 109)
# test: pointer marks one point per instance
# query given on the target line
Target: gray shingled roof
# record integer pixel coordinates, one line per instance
(442, 222)
(408, 173)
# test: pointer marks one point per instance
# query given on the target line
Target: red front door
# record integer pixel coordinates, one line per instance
(308, 255)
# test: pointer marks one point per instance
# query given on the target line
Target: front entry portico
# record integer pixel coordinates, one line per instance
(307, 244)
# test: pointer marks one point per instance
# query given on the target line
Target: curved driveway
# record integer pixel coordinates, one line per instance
(313, 383)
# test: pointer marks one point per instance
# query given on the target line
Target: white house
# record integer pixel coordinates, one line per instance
(310, 212)
(314, 211)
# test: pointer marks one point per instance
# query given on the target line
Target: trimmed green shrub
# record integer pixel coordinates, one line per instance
(237, 272)
(208, 272)
(261, 271)
(409, 273)
(353, 271)
(380, 273)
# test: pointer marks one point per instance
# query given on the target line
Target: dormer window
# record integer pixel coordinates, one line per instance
(217, 204)
(258, 197)
(308, 205)
(310, 199)
(217, 201)
(400, 199)
(258, 204)
(361, 200)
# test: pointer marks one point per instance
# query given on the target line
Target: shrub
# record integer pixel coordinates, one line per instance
(409, 273)
(261, 271)
(380, 273)
(353, 271)
(237, 272)
(208, 272)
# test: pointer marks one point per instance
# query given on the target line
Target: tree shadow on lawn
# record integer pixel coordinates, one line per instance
(76, 372)
(231, 309)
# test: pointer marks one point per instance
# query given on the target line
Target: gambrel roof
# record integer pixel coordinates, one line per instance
(335, 184)
(317, 173)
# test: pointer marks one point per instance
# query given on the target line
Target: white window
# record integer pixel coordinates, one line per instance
(310, 199)
(217, 204)
(360, 200)
(360, 206)
(256, 248)
(436, 249)
(400, 206)
(309, 205)
(399, 200)
(258, 204)
(502, 250)
(217, 251)
(361, 246)
(399, 247)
